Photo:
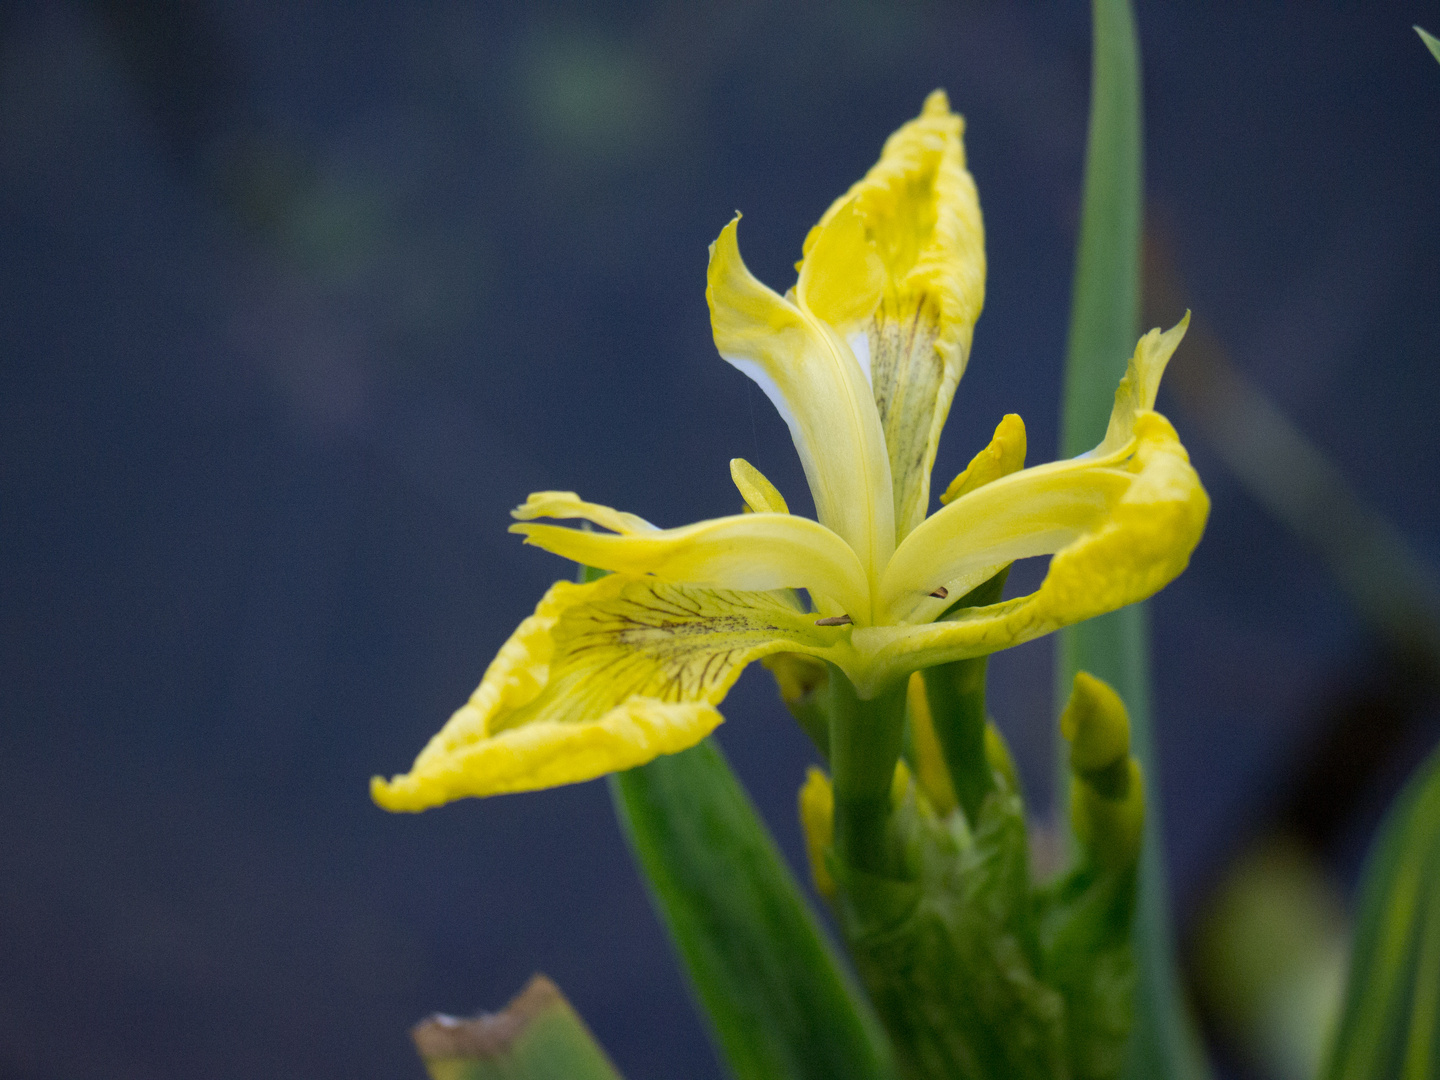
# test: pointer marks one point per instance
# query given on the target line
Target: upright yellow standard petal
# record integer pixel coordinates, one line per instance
(744, 551)
(842, 279)
(602, 677)
(813, 378)
(922, 213)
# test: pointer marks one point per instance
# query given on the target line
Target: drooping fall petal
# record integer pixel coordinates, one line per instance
(603, 677)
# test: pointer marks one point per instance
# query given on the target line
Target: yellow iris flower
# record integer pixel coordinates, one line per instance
(862, 358)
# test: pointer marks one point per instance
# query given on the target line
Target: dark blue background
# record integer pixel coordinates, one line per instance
(298, 299)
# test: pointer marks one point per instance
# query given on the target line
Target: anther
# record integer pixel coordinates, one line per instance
(941, 593)
(835, 620)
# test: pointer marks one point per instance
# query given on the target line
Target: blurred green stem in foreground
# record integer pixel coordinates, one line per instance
(1104, 321)
(1390, 1024)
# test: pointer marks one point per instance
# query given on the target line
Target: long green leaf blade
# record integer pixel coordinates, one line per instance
(1390, 1023)
(778, 1001)
(1104, 325)
(1431, 42)
(538, 1036)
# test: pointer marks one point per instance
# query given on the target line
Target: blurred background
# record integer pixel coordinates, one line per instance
(299, 299)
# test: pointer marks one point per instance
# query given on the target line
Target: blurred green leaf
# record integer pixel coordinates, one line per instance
(1390, 1025)
(1431, 42)
(538, 1036)
(1104, 325)
(778, 1001)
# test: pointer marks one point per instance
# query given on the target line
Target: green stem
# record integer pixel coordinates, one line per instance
(865, 742)
(956, 694)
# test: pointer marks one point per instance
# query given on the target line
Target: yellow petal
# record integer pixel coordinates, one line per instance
(602, 677)
(1033, 512)
(756, 551)
(841, 277)
(922, 213)
(814, 380)
(760, 495)
(1141, 382)
(817, 819)
(930, 767)
(1138, 544)
(566, 504)
(1004, 455)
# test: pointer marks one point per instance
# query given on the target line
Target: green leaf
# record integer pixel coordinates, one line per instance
(538, 1036)
(779, 1003)
(1431, 42)
(1390, 1023)
(1104, 325)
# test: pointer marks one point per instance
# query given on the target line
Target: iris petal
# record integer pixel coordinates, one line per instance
(922, 215)
(816, 383)
(1131, 551)
(602, 677)
(744, 551)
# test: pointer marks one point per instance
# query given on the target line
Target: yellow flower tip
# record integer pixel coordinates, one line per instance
(1004, 455)
(930, 767)
(392, 795)
(760, 495)
(1110, 828)
(1107, 797)
(1136, 393)
(1095, 723)
(817, 819)
(997, 754)
(900, 783)
(937, 103)
(544, 504)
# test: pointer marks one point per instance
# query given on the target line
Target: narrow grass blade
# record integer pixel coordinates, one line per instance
(1390, 1024)
(1104, 325)
(538, 1036)
(1431, 42)
(778, 1001)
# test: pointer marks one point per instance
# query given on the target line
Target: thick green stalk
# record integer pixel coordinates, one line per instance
(778, 1000)
(1104, 325)
(865, 743)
